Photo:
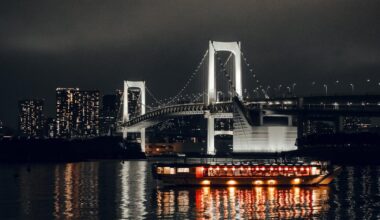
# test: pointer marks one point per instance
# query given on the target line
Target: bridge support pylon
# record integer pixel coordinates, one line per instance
(142, 139)
(214, 47)
(126, 114)
(234, 48)
(210, 135)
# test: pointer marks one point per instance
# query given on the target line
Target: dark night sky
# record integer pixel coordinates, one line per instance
(95, 44)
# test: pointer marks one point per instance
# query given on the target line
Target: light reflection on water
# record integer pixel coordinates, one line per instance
(133, 186)
(242, 203)
(115, 190)
(75, 190)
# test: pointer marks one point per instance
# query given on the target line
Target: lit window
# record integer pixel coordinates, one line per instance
(183, 170)
(166, 170)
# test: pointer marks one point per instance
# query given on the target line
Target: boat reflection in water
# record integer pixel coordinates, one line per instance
(244, 203)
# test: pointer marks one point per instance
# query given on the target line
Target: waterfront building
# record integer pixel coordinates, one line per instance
(87, 122)
(31, 118)
(50, 128)
(356, 124)
(110, 110)
(319, 127)
(66, 111)
(77, 113)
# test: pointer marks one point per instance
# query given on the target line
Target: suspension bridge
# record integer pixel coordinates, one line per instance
(220, 76)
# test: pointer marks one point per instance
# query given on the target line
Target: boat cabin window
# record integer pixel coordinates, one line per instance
(243, 171)
(160, 170)
(183, 170)
(169, 170)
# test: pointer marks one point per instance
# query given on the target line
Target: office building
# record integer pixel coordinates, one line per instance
(77, 113)
(66, 111)
(87, 121)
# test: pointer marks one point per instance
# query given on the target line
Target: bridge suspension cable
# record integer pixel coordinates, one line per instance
(254, 75)
(193, 74)
(232, 87)
(153, 96)
(178, 96)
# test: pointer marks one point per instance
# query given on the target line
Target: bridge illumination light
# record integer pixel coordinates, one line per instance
(352, 87)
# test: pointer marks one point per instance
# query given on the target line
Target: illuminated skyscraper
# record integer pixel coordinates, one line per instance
(87, 107)
(66, 111)
(31, 118)
(50, 128)
(77, 113)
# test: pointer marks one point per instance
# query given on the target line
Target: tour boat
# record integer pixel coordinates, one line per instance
(245, 173)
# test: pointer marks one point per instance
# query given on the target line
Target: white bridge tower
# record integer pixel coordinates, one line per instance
(215, 46)
(133, 85)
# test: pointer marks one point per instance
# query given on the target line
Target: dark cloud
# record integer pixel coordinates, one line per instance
(97, 44)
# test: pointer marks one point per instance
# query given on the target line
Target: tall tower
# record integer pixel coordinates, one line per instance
(234, 48)
(87, 123)
(214, 47)
(66, 111)
(134, 104)
(77, 113)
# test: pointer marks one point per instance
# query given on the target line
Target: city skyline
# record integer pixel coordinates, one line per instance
(333, 41)
(216, 109)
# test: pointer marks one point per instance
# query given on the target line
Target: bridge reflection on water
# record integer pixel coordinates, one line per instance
(115, 190)
(240, 203)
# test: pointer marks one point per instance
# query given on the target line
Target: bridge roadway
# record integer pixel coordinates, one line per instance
(218, 110)
(308, 106)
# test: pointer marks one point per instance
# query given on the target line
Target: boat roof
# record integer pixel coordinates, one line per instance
(247, 163)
